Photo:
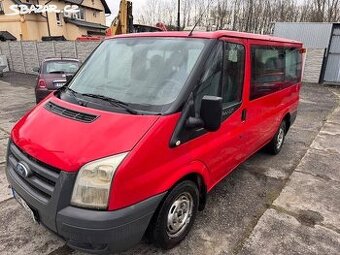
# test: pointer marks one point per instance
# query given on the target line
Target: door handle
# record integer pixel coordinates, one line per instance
(244, 115)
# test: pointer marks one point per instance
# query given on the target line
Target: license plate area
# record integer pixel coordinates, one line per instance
(59, 84)
(29, 211)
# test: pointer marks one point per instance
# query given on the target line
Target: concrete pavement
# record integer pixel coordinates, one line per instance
(284, 204)
(305, 218)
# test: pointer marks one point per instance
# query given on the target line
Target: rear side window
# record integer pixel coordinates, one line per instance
(273, 68)
(293, 62)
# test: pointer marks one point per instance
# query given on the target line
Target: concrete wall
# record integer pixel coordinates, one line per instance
(23, 56)
(313, 65)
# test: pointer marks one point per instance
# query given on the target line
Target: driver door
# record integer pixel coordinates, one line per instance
(222, 151)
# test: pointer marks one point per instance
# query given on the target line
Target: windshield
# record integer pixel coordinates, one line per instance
(61, 67)
(146, 73)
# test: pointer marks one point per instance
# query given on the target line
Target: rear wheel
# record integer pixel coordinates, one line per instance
(275, 145)
(176, 216)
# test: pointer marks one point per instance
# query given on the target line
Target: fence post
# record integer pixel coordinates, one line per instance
(22, 57)
(36, 50)
(10, 55)
(75, 48)
(54, 49)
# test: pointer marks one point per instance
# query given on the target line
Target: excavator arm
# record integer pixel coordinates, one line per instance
(123, 23)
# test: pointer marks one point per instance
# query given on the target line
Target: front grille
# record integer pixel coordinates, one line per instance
(71, 114)
(41, 182)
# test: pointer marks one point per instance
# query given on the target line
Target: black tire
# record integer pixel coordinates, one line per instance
(159, 232)
(275, 145)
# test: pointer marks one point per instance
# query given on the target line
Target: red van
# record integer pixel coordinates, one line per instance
(150, 123)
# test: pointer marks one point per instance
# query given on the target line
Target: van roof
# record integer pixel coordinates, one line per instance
(211, 35)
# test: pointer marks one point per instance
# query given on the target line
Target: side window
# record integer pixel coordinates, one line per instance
(273, 68)
(210, 80)
(268, 70)
(233, 74)
(293, 61)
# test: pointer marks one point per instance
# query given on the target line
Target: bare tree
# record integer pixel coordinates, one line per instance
(257, 16)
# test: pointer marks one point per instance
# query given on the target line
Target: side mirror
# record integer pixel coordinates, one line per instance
(211, 112)
(36, 69)
(69, 77)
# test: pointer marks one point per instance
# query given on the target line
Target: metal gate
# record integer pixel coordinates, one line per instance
(332, 72)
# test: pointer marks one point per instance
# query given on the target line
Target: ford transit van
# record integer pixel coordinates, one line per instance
(151, 122)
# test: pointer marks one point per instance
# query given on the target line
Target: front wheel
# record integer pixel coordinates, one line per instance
(275, 145)
(176, 216)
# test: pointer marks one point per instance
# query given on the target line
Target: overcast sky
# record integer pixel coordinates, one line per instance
(114, 6)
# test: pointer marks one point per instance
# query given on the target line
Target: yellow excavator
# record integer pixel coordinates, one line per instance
(123, 23)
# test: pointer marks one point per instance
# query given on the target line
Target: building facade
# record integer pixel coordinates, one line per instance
(90, 20)
(322, 41)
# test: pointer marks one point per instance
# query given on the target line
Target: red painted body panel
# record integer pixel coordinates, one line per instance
(68, 144)
(151, 166)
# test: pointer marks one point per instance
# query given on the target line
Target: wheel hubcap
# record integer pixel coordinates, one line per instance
(179, 214)
(280, 138)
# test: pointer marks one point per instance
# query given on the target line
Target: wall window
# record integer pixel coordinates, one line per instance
(210, 81)
(79, 15)
(2, 9)
(58, 18)
(232, 85)
(82, 13)
(273, 68)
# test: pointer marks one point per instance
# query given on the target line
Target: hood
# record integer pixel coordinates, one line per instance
(68, 144)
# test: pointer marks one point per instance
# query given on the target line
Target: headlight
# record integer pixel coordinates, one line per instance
(92, 186)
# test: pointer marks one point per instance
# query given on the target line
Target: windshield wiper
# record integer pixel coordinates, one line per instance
(73, 93)
(113, 102)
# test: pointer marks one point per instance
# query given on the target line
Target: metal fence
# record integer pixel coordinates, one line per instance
(23, 56)
(332, 72)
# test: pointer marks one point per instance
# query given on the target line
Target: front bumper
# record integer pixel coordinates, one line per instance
(103, 231)
(48, 193)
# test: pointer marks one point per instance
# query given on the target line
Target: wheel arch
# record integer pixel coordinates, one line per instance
(197, 175)
(193, 176)
(201, 185)
(288, 119)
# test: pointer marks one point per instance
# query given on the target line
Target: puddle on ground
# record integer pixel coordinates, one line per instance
(309, 217)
